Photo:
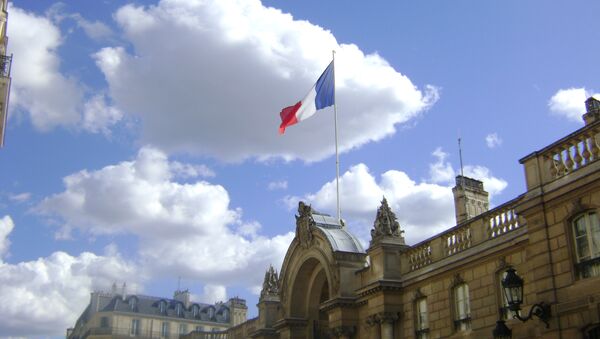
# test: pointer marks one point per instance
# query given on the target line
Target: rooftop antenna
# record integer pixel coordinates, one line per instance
(462, 174)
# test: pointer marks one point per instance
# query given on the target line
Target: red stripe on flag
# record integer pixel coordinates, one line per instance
(288, 116)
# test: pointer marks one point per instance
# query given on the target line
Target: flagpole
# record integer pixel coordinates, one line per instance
(337, 157)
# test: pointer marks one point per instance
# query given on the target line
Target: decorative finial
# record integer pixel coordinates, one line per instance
(270, 284)
(386, 224)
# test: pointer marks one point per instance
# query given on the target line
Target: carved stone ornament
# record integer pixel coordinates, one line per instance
(418, 294)
(456, 280)
(342, 331)
(382, 318)
(386, 224)
(270, 284)
(304, 221)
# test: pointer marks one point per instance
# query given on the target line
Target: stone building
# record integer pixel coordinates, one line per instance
(116, 314)
(451, 285)
(5, 63)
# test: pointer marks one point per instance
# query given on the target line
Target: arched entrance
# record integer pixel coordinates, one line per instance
(310, 290)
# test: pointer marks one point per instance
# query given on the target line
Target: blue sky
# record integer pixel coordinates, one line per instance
(142, 139)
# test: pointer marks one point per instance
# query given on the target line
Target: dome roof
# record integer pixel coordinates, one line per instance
(340, 239)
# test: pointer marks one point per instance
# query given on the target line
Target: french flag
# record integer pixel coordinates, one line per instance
(320, 96)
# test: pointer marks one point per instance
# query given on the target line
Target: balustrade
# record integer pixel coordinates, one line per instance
(569, 155)
(420, 256)
(485, 227)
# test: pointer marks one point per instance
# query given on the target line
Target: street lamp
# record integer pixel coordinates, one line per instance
(513, 291)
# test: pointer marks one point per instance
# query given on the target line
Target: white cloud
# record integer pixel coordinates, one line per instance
(98, 116)
(569, 103)
(221, 95)
(277, 185)
(212, 294)
(20, 197)
(440, 171)
(48, 97)
(423, 209)
(492, 140)
(38, 87)
(178, 225)
(45, 296)
(6, 226)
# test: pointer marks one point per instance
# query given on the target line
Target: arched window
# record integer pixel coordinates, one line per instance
(462, 308)
(422, 320)
(211, 313)
(586, 234)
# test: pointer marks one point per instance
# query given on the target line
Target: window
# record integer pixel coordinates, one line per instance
(422, 328)
(133, 303)
(462, 309)
(164, 329)
(225, 313)
(195, 311)
(162, 307)
(586, 233)
(104, 322)
(211, 313)
(135, 327)
(179, 310)
(182, 328)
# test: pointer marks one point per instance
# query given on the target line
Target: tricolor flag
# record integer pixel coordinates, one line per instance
(320, 96)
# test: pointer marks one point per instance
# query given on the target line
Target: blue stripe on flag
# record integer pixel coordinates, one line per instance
(325, 88)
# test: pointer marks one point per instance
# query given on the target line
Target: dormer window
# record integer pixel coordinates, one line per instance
(225, 313)
(179, 310)
(133, 303)
(195, 311)
(162, 307)
(211, 313)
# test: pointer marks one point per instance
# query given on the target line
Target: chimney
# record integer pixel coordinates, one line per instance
(592, 106)
(183, 296)
(470, 199)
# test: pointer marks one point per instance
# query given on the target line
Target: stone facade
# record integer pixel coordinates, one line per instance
(449, 286)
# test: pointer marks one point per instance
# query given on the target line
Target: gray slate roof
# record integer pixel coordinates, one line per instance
(151, 306)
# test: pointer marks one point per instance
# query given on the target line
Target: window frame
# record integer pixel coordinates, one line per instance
(586, 266)
(462, 322)
(421, 328)
(165, 329)
(135, 327)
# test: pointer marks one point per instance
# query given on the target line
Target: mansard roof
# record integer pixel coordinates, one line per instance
(148, 305)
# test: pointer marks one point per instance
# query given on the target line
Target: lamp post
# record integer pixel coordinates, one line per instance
(513, 291)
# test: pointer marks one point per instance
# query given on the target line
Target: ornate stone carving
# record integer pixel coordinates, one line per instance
(304, 222)
(342, 331)
(382, 318)
(270, 284)
(386, 224)
(418, 294)
(456, 280)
